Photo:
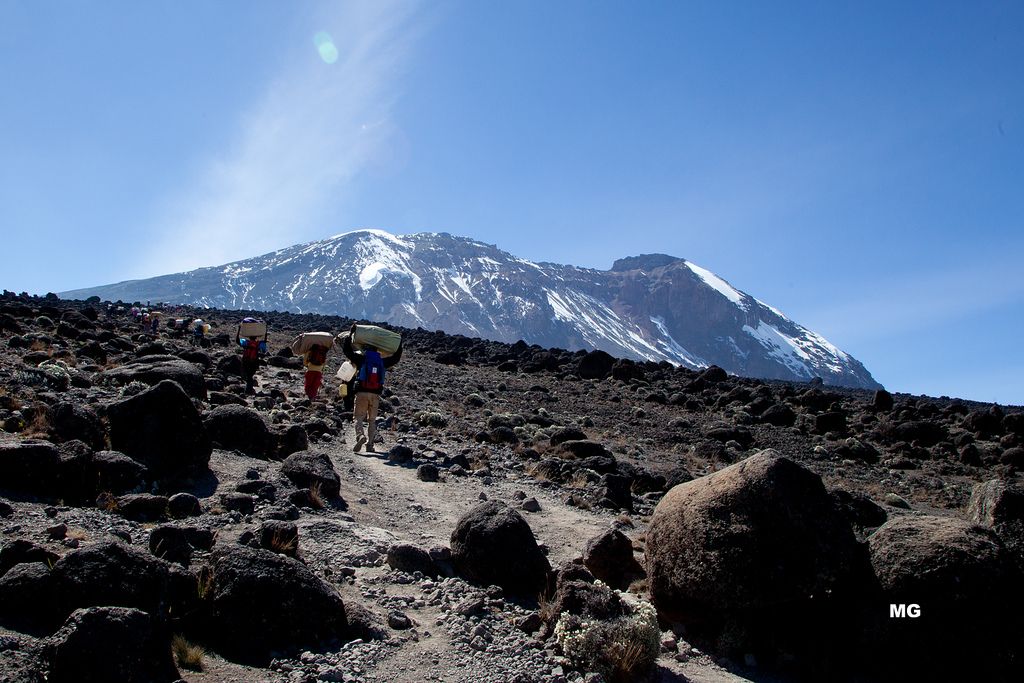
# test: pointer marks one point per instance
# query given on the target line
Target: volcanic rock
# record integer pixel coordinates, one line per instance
(493, 544)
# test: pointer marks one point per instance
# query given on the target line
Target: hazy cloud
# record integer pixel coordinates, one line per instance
(317, 126)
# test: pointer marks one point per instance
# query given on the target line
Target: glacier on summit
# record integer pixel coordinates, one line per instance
(649, 307)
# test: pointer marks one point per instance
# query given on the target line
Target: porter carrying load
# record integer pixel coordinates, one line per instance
(371, 336)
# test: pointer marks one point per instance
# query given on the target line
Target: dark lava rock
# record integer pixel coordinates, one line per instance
(293, 440)
(112, 573)
(999, 505)
(75, 421)
(609, 557)
(162, 429)
(966, 585)
(235, 427)
(741, 435)
(427, 472)
(595, 365)
(493, 544)
(758, 546)
(142, 507)
(306, 469)
(182, 505)
(20, 550)
(854, 449)
(29, 466)
(1014, 457)
(779, 414)
(984, 422)
(832, 421)
(116, 473)
(263, 603)
(238, 502)
(563, 434)
(882, 401)
(859, 510)
(409, 559)
(26, 598)
(187, 375)
(108, 644)
(582, 449)
(924, 432)
(401, 454)
(170, 542)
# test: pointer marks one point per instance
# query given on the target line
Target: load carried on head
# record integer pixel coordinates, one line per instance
(366, 336)
(307, 340)
(252, 328)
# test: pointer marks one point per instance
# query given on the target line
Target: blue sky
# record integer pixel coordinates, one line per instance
(859, 167)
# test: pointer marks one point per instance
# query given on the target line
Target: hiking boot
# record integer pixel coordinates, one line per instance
(360, 440)
(369, 448)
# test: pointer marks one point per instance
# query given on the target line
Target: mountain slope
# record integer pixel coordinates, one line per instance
(653, 306)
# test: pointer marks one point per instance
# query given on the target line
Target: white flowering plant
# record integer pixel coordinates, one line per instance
(621, 649)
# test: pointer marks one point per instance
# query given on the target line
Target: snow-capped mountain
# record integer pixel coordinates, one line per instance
(653, 306)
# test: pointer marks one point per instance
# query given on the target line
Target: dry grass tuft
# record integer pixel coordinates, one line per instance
(282, 544)
(106, 501)
(187, 655)
(315, 497)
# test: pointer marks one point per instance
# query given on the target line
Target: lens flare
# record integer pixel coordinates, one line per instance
(325, 46)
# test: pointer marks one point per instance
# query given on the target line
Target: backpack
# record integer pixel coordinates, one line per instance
(251, 350)
(317, 355)
(371, 373)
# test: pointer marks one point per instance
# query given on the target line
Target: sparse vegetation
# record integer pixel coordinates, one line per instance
(188, 655)
(284, 544)
(621, 650)
(315, 498)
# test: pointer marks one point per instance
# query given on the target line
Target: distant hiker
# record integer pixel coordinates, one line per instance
(313, 347)
(251, 335)
(371, 369)
(198, 332)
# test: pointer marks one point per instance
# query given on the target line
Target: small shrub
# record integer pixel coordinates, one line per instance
(187, 655)
(621, 650)
(282, 544)
(316, 500)
(431, 419)
(106, 501)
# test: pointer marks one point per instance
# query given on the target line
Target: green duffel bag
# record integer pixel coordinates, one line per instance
(383, 340)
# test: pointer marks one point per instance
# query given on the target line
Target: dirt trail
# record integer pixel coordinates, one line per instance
(425, 513)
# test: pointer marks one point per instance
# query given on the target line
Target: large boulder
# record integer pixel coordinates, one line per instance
(752, 551)
(106, 644)
(72, 421)
(29, 467)
(595, 365)
(26, 598)
(162, 429)
(493, 544)
(999, 505)
(262, 603)
(187, 375)
(967, 588)
(235, 427)
(20, 550)
(306, 469)
(609, 557)
(112, 573)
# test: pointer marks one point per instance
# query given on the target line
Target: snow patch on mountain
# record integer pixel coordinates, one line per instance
(674, 349)
(718, 284)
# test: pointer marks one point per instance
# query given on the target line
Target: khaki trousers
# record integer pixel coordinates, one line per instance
(366, 409)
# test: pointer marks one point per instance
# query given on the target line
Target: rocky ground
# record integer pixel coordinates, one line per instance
(144, 496)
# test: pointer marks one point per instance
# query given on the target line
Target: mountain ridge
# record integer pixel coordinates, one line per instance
(647, 307)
